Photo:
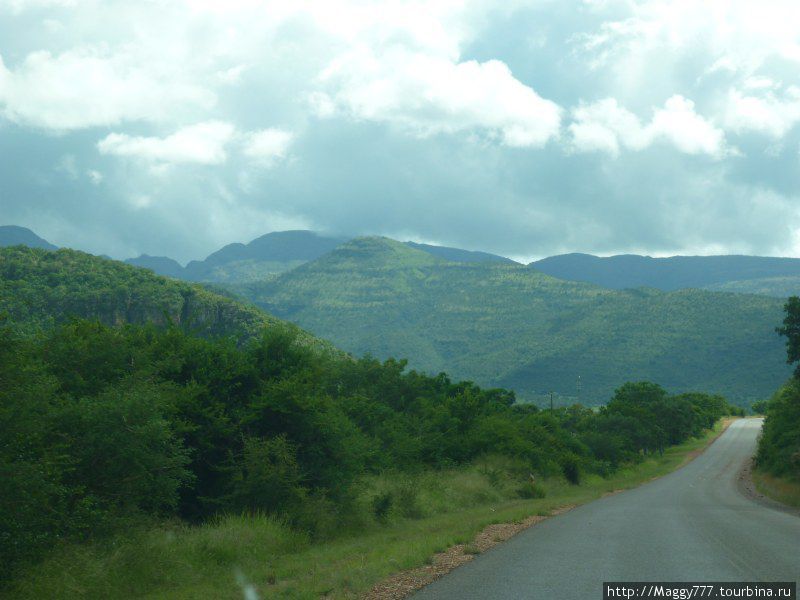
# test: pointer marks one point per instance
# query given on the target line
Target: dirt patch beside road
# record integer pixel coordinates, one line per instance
(405, 583)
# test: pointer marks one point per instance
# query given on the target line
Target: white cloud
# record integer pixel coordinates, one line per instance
(428, 95)
(266, 145)
(733, 34)
(87, 87)
(203, 143)
(206, 143)
(231, 76)
(140, 201)
(166, 62)
(733, 53)
(689, 132)
(96, 177)
(766, 113)
(607, 126)
(68, 165)
(18, 6)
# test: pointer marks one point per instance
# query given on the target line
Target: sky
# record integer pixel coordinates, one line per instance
(522, 128)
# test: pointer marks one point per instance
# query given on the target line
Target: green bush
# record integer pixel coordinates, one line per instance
(779, 445)
(269, 479)
(571, 470)
(531, 490)
(381, 505)
(407, 499)
(101, 427)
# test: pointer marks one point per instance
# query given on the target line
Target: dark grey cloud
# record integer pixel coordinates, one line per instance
(170, 128)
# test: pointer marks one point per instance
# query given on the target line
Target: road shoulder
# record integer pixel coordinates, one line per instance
(404, 583)
(747, 487)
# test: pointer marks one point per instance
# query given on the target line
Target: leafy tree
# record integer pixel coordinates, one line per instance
(102, 425)
(779, 445)
(791, 330)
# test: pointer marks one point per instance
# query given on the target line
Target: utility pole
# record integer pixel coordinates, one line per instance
(551, 401)
(579, 388)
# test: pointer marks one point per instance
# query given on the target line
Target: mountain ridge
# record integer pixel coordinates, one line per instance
(512, 326)
(273, 253)
(13, 235)
(667, 273)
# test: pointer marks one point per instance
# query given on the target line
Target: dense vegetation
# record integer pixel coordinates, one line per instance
(779, 445)
(511, 326)
(277, 252)
(778, 287)
(39, 289)
(103, 426)
(281, 251)
(750, 274)
(459, 255)
(264, 256)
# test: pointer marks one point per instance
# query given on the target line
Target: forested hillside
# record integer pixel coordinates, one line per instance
(779, 445)
(511, 326)
(41, 288)
(277, 252)
(459, 255)
(749, 274)
(267, 255)
(778, 287)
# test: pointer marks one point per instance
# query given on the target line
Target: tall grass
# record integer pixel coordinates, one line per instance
(258, 556)
(781, 489)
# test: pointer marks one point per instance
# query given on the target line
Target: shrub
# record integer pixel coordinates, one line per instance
(571, 470)
(318, 516)
(407, 499)
(269, 477)
(381, 506)
(530, 490)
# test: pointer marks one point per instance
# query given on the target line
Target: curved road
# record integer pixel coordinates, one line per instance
(691, 525)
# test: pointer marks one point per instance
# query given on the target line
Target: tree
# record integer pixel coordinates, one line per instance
(791, 329)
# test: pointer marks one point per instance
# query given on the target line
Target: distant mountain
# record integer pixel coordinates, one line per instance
(458, 255)
(12, 235)
(779, 287)
(160, 265)
(40, 288)
(512, 326)
(673, 273)
(278, 252)
(265, 256)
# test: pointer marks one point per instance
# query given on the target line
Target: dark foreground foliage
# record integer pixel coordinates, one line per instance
(101, 427)
(779, 445)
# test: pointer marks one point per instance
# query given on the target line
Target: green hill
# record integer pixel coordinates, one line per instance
(670, 273)
(779, 287)
(40, 288)
(277, 252)
(459, 255)
(511, 326)
(267, 255)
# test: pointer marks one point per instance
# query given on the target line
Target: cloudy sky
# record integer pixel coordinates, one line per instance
(523, 128)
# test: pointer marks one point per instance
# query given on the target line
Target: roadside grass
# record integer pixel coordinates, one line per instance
(781, 489)
(261, 557)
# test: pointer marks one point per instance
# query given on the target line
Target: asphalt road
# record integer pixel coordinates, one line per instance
(691, 525)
